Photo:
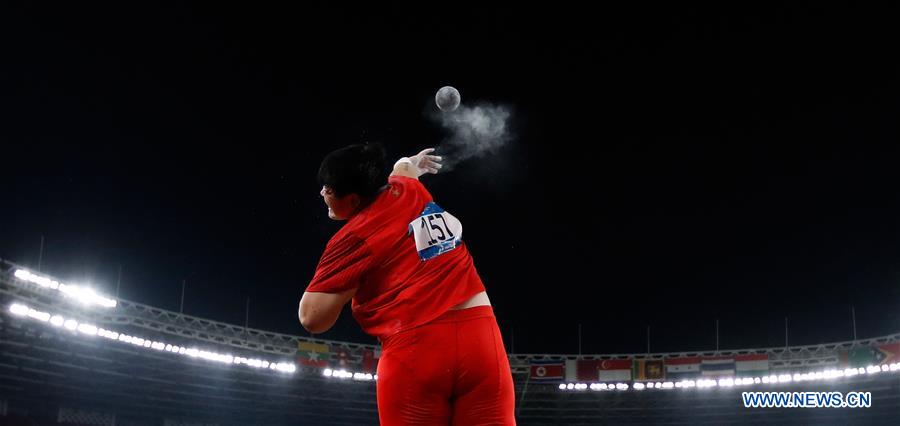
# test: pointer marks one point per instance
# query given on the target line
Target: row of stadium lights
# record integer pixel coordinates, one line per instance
(87, 296)
(344, 375)
(730, 382)
(84, 295)
(91, 330)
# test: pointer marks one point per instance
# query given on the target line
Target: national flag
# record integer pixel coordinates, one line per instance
(614, 370)
(717, 366)
(752, 365)
(370, 360)
(582, 370)
(342, 358)
(571, 370)
(682, 368)
(644, 369)
(546, 371)
(587, 370)
(891, 353)
(866, 356)
(315, 354)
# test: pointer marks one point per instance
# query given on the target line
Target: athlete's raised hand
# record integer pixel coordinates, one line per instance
(425, 162)
(418, 164)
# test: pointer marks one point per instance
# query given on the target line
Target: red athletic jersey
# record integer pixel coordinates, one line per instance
(376, 251)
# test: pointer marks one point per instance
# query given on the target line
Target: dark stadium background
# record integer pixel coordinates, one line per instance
(672, 165)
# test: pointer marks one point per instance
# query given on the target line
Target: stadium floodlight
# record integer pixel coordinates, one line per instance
(895, 366)
(885, 367)
(706, 383)
(570, 386)
(84, 295)
(668, 385)
(38, 315)
(872, 369)
(621, 386)
(757, 380)
(832, 374)
(57, 320)
(18, 309)
(84, 328)
(638, 386)
(87, 329)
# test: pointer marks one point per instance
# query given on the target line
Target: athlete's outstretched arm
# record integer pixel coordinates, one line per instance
(319, 311)
(418, 164)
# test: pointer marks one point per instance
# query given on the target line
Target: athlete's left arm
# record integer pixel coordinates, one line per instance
(319, 311)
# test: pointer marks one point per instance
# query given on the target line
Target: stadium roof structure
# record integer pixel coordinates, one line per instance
(67, 352)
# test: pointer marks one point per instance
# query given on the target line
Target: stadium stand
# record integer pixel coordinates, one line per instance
(71, 356)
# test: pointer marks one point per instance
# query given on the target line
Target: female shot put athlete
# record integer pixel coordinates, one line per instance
(401, 259)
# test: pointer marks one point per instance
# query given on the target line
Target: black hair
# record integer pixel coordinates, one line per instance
(357, 169)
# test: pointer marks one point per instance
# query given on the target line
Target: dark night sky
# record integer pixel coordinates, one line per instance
(670, 165)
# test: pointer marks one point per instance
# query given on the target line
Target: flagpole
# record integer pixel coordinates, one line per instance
(41, 254)
(717, 335)
(648, 339)
(119, 282)
(579, 339)
(786, 332)
(247, 316)
(181, 308)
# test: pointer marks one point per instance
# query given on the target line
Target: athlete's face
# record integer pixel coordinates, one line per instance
(339, 208)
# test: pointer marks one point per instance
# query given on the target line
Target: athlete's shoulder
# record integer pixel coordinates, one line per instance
(401, 184)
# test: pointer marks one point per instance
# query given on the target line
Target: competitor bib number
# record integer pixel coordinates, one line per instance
(435, 232)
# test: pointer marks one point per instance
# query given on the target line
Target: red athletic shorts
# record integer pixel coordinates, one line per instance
(451, 371)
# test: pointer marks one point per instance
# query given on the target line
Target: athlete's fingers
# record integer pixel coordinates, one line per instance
(425, 152)
(432, 164)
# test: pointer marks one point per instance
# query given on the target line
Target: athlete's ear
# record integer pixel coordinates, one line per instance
(355, 200)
